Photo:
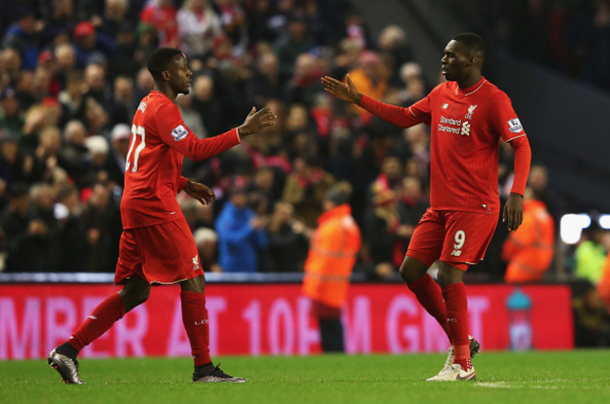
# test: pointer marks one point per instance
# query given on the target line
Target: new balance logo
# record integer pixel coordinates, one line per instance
(196, 265)
(445, 106)
(456, 253)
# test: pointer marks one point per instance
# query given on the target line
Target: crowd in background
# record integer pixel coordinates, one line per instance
(72, 74)
(569, 36)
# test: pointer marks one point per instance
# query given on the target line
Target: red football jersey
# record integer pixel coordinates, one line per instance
(159, 142)
(466, 128)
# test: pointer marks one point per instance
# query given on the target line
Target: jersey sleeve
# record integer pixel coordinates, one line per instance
(182, 183)
(401, 117)
(178, 136)
(504, 119)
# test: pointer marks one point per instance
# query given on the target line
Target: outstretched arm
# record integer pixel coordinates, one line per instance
(401, 117)
(181, 138)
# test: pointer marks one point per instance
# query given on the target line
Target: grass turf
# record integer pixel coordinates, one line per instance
(533, 377)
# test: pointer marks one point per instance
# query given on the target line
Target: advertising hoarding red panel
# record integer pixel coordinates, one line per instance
(261, 319)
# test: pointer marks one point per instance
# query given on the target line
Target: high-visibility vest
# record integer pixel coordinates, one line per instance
(529, 250)
(332, 255)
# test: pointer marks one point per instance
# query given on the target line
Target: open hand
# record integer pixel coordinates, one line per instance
(257, 121)
(345, 92)
(200, 192)
(513, 212)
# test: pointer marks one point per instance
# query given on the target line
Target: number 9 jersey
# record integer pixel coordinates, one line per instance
(159, 141)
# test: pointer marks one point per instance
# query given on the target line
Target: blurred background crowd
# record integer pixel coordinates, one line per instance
(571, 37)
(72, 74)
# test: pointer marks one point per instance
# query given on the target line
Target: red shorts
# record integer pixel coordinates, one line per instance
(163, 253)
(457, 238)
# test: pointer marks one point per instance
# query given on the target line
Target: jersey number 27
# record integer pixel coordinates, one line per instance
(135, 132)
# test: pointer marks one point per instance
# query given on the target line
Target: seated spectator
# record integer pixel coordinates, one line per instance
(241, 235)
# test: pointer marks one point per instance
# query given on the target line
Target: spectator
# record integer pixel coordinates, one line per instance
(371, 77)
(207, 246)
(241, 235)
(122, 105)
(287, 240)
(75, 250)
(104, 167)
(23, 36)
(394, 50)
(161, 14)
(289, 46)
(591, 319)
(89, 41)
(10, 116)
(74, 154)
(305, 189)
(102, 220)
(25, 236)
(386, 236)
(198, 27)
(43, 200)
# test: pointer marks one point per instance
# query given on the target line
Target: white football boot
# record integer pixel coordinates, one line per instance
(474, 349)
(454, 373)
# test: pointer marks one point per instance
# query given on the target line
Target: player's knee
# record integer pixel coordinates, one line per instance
(448, 275)
(412, 270)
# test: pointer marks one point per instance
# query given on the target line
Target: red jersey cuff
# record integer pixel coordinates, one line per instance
(182, 182)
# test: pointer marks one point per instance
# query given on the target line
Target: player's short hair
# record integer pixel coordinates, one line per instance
(159, 61)
(473, 42)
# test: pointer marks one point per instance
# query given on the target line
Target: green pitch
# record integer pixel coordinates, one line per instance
(559, 377)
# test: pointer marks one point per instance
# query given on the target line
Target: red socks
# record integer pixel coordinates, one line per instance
(195, 318)
(100, 321)
(457, 322)
(429, 295)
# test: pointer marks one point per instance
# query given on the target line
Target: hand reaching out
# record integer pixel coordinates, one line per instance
(257, 121)
(345, 92)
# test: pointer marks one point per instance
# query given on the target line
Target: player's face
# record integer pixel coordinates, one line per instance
(454, 61)
(180, 77)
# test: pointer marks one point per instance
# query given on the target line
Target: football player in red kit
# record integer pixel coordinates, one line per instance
(468, 115)
(157, 246)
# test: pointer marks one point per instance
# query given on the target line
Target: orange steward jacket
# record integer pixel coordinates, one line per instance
(332, 255)
(529, 250)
